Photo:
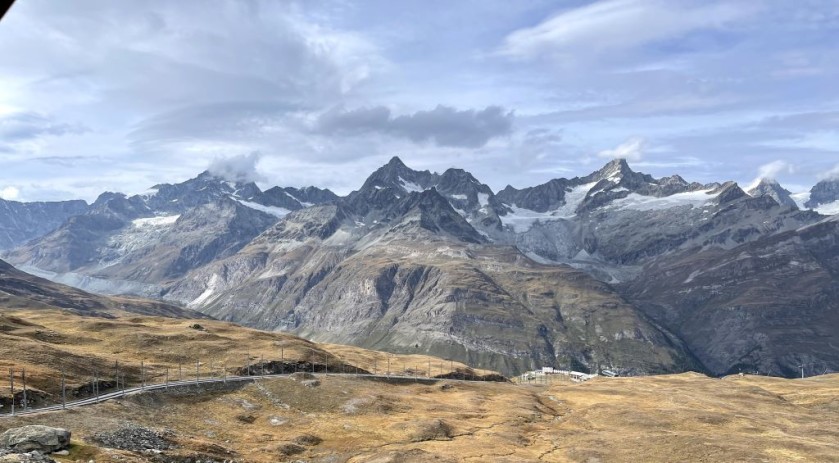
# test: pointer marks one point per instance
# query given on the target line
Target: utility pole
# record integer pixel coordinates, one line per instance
(248, 362)
(64, 392)
(167, 379)
(326, 362)
(142, 376)
(282, 360)
(262, 363)
(312, 356)
(388, 364)
(197, 371)
(12, 388)
(802, 371)
(23, 378)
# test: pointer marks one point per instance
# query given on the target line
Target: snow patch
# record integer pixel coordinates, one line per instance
(410, 186)
(483, 199)
(800, 199)
(828, 209)
(637, 202)
(273, 210)
(162, 221)
(212, 286)
(463, 197)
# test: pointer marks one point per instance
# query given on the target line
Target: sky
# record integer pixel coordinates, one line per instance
(99, 95)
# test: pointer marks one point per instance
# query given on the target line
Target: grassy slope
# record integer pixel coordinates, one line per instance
(686, 417)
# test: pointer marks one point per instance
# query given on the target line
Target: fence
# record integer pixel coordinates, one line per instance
(126, 379)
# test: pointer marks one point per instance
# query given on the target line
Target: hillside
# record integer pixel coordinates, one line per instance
(20, 290)
(687, 417)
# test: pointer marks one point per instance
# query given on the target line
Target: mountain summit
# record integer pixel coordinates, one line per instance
(774, 190)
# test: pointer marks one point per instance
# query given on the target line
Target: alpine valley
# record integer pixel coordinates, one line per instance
(614, 270)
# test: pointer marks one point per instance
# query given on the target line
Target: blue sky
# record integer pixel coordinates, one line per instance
(104, 95)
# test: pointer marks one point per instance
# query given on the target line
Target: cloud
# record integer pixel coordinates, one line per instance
(443, 125)
(772, 169)
(9, 193)
(618, 25)
(831, 174)
(241, 168)
(21, 126)
(631, 150)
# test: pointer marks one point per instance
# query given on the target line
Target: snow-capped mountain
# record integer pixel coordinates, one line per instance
(616, 268)
(405, 261)
(824, 197)
(771, 188)
(135, 243)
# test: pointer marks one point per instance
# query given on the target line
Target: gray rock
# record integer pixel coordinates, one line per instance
(29, 457)
(35, 438)
(134, 438)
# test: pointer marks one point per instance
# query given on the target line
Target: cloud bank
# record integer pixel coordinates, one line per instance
(443, 125)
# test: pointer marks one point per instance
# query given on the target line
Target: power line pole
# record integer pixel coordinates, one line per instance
(142, 376)
(23, 378)
(64, 392)
(12, 388)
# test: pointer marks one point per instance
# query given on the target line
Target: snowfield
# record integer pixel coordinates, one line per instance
(637, 202)
(522, 219)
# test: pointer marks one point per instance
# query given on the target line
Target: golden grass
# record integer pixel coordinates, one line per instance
(46, 341)
(674, 418)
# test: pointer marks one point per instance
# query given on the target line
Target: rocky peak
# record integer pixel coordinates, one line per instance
(118, 205)
(395, 174)
(729, 192)
(435, 215)
(614, 171)
(771, 188)
(824, 192)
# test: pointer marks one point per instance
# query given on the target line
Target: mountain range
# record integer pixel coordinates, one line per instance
(616, 269)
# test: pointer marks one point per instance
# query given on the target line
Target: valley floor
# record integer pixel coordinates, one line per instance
(687, 417)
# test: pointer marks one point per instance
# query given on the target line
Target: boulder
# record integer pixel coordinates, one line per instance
(38, 438)
(31, 457)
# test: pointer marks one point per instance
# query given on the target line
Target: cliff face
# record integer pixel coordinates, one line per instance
(21, 222)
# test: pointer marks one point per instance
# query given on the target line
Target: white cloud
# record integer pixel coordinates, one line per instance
(831, 174)
(240, 168)
(631, 150)
(620, 24)
(774, 168)
(770, 171)
(9, 193)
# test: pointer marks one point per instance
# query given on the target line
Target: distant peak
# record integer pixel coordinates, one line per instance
(396, 162)
(613, 169)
